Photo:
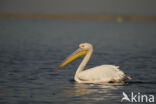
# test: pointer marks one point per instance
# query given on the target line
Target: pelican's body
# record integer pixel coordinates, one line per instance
(99, 74)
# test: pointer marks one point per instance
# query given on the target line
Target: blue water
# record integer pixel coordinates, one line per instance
(30, 50)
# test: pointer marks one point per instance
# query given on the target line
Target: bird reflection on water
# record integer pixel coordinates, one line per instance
(91, 92)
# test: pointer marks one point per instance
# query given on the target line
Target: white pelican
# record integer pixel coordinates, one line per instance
(98, 74)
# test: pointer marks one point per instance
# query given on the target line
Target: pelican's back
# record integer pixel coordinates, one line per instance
(103, 73)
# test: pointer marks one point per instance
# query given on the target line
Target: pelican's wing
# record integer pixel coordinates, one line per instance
(103, 73)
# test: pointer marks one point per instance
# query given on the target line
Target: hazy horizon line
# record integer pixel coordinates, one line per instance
(81, 16)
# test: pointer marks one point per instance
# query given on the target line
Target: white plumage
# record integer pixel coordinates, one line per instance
(103, 73)
(99, 74)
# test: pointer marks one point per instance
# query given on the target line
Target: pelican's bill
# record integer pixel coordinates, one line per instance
(79, 52)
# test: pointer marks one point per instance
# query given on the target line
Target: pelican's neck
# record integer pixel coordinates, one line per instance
(83, 63)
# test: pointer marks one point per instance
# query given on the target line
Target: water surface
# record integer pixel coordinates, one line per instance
(30, 50)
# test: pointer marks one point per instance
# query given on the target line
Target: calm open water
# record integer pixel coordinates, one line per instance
(30, 50)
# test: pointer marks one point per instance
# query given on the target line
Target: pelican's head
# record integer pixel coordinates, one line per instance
(83, 49)
(86, 46)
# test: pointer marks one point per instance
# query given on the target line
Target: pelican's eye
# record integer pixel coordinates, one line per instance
(82, 46)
